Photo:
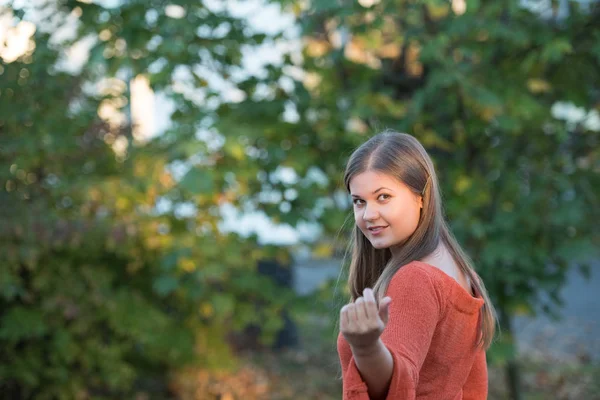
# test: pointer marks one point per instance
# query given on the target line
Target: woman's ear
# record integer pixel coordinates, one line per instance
(420, 201)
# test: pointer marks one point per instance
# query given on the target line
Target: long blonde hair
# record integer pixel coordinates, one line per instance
(402, 156)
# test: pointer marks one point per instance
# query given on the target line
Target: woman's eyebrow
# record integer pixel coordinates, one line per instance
(381, 188)
(354, 195)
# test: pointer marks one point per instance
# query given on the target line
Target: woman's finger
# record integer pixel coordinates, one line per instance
(361, 315)
(370, 303)
(344, 318)
(384, 309)
(352, 320)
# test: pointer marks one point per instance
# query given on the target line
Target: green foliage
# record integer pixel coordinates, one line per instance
(477, 89)
(102, 294)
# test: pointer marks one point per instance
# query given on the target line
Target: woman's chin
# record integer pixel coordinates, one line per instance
(379, 245)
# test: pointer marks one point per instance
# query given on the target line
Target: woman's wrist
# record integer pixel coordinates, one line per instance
(375, 364)
(368, 351)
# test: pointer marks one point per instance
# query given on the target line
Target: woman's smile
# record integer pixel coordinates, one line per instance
(377, 230)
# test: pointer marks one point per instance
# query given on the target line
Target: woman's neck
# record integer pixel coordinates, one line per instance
(436, 255)
(442, 258)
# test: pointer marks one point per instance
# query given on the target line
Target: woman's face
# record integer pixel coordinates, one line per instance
(385, 209)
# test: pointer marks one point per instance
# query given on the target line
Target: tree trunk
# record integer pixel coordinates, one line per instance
(512, 367)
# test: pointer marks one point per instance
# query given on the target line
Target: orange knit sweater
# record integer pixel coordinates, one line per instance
(431, 333)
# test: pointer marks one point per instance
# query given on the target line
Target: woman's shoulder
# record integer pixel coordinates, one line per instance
(418, 277)
(419, 273)
(421, 277)
(415, 286)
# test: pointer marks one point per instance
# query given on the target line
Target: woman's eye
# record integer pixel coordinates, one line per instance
(382, 196)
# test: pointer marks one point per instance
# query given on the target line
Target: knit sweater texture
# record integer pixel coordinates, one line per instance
(432, 331)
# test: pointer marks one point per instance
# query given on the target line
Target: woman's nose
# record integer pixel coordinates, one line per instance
(371, 213)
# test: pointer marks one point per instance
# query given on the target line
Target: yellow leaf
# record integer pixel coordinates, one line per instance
(206, 310)
(140, 169)
(186, 264)
(488, 113)
(357, 52)
(323, 250)
(390, 50)
(438, 11)
(538, 86)
(166, 180)
(237, 151)
(522, 309)
(122, 203)
(316, 47)
(312, 80)
(462, 184)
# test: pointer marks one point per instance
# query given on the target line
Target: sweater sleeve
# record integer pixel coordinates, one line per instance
(476, 386)
(414, 312)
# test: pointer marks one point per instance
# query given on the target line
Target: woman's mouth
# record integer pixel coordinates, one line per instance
(376, 230)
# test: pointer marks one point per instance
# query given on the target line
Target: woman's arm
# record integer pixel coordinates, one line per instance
(401, 347)
(362, 324)
(375, 365)
(476, 386)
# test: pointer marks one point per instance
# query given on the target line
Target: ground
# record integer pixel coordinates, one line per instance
(559, 359)
(310, 371)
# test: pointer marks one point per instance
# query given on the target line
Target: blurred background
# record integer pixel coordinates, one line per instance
(172, 215)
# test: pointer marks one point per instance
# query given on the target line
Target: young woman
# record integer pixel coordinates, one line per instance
(420, 319)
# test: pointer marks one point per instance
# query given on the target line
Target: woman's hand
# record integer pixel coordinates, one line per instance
(363, 321)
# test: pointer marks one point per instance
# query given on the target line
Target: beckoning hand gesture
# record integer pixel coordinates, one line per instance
(363, 321)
